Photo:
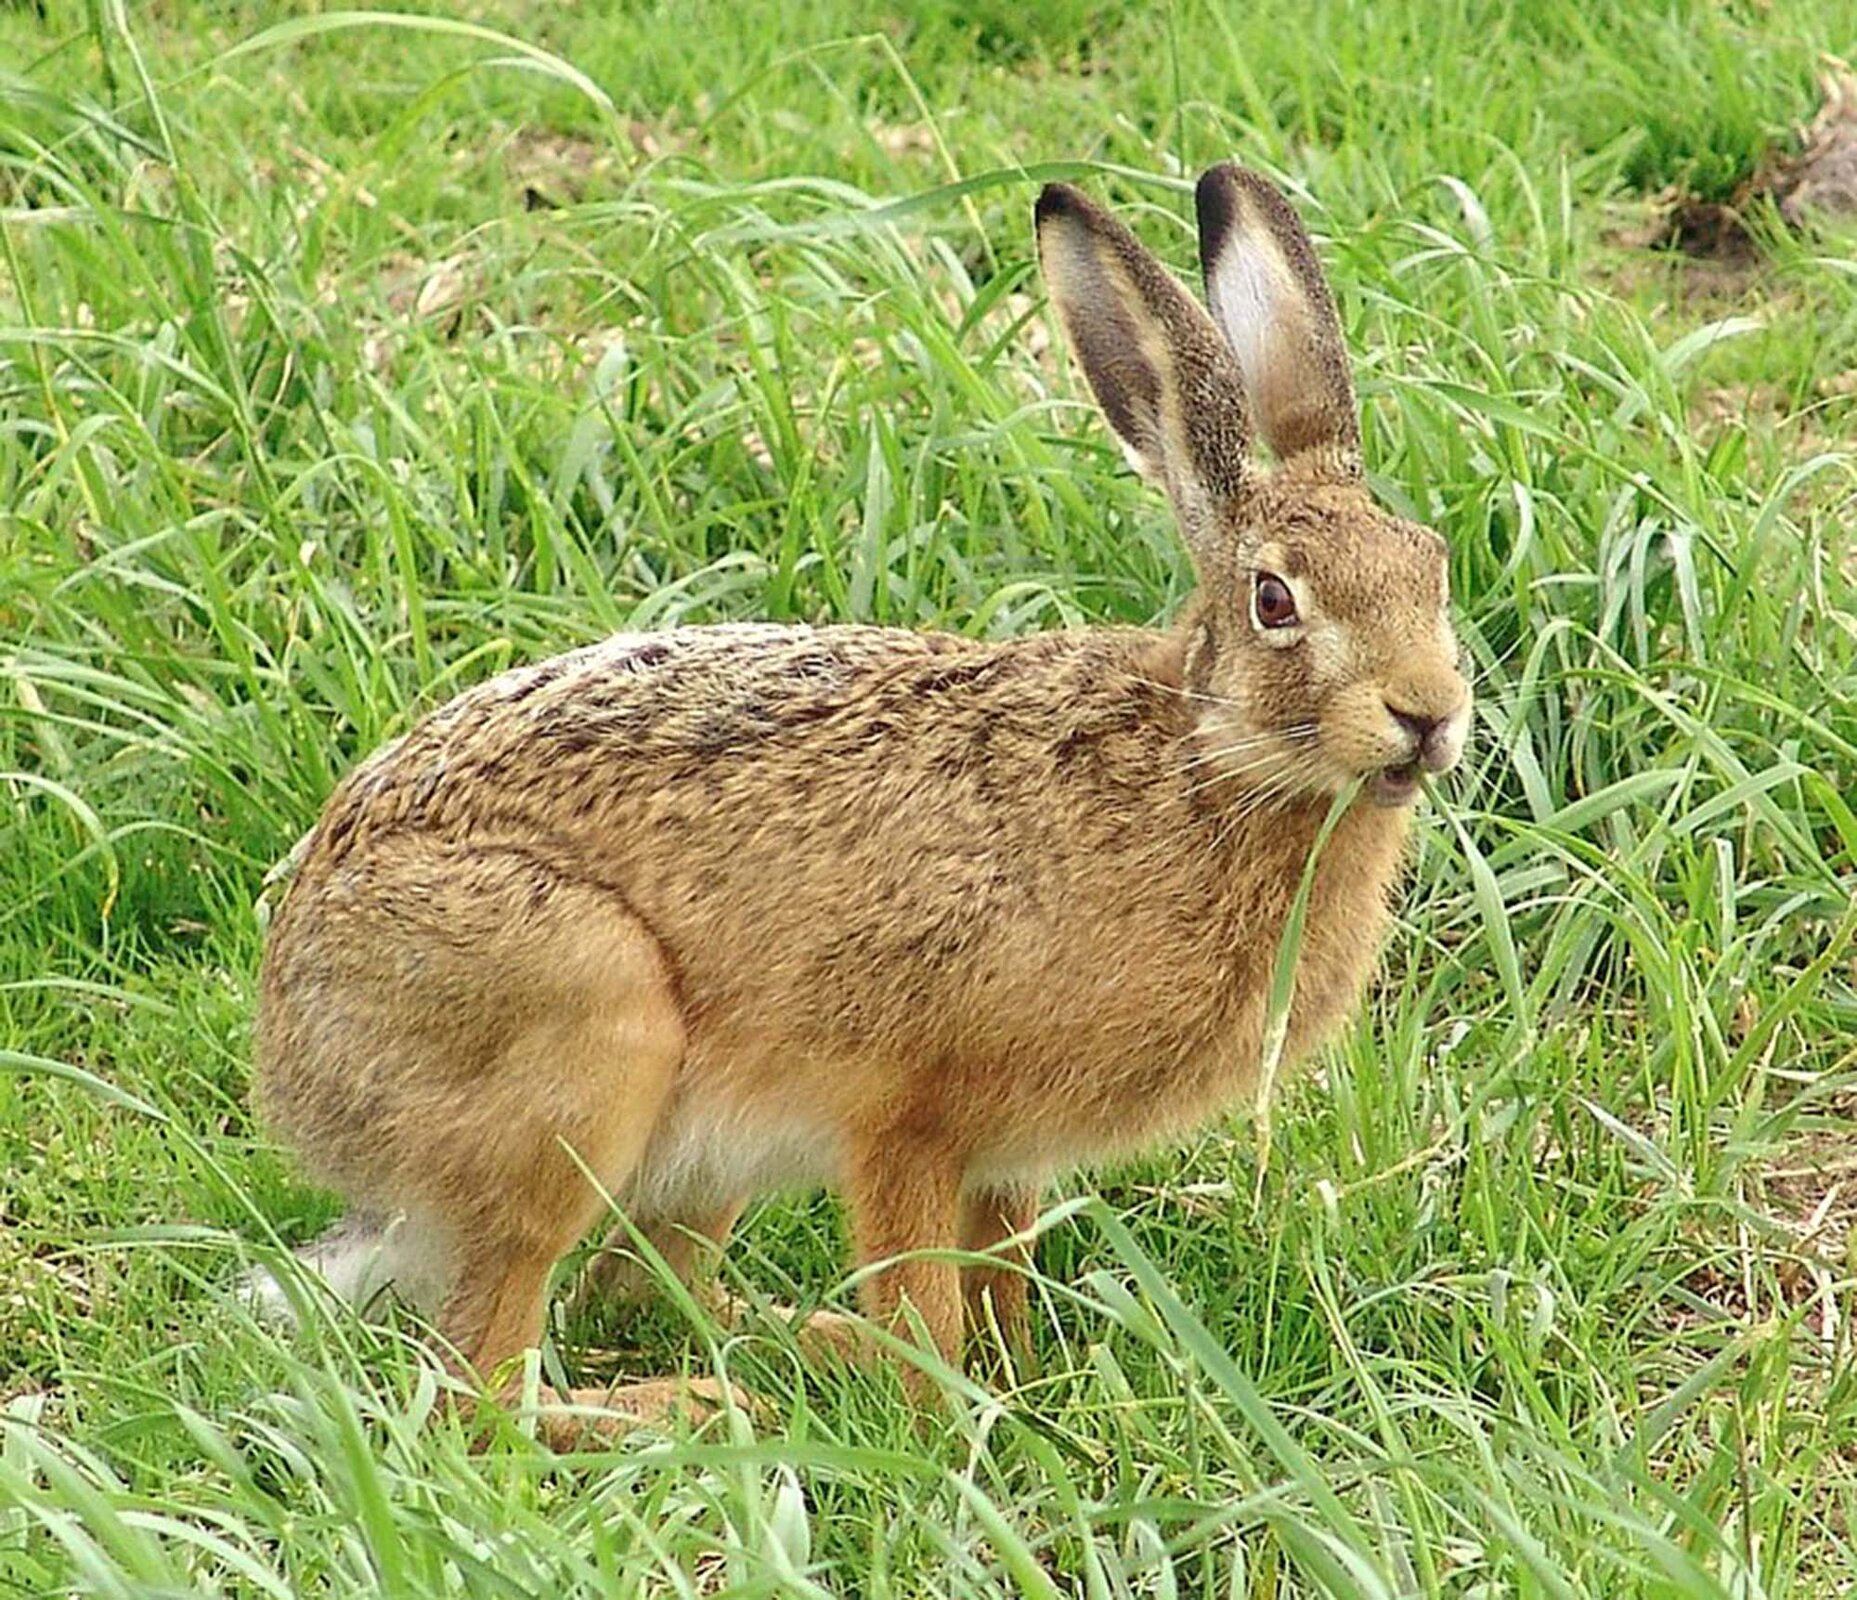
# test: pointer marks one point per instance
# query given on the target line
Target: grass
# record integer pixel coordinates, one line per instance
(344, 362)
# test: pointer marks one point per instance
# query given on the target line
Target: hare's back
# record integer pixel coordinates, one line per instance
(740, 715)
(731, 690)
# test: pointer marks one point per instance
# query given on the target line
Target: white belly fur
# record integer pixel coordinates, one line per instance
(703, 1157)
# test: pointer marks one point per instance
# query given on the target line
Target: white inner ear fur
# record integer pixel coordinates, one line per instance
(1086, 281)
(1252, 292)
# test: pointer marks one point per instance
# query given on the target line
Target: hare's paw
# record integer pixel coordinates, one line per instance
(587, 1419)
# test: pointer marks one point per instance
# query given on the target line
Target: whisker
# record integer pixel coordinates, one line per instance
(1271, 743)
(1224, 752)
(1282, 786)
(1292, 731)
(1263, 736)
(1183, 692)
(1302, 733)
(1225, 775)
(1224, 702)
(1296, 760)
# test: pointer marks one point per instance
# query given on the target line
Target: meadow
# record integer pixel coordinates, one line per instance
(347, 358)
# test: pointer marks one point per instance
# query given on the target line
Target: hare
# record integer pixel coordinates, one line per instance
(688, 916)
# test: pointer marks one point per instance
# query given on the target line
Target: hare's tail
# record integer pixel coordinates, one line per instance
(360, 1259)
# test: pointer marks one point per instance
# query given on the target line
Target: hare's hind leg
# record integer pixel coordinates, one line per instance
(469, 1035)
(690, 1245)
(996, 1295)
(581, 1090)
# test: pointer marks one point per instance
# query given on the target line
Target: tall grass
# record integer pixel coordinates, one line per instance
(347, 360)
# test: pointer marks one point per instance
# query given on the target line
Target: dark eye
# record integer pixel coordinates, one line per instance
(1272, 604)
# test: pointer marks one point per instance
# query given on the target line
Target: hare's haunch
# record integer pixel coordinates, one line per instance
(714, 911)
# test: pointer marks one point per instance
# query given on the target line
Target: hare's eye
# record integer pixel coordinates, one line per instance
(1272, 604)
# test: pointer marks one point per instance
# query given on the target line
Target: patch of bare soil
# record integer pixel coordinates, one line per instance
(1796, 1249)
(1810, 1193)
(551, 169)
(434, 293)
(557, 169)
(1816, 185)
(1822, 181)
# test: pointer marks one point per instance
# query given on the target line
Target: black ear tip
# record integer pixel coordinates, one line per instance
(1215, 199)
(1230, 188)
(1058, 200)
(1215, 180)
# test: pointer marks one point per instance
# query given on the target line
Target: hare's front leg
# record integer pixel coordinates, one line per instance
(904, 1194)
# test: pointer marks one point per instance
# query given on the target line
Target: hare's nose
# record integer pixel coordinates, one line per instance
(1429, 736)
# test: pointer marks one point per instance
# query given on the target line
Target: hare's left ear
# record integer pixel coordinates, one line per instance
(1272, 303)
(1165, 379)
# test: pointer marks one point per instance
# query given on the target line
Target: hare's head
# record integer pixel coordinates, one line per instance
(1320, 649)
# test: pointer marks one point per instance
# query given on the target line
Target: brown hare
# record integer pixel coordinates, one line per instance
(705, 913)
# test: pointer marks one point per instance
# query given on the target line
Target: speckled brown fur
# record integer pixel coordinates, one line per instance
(716, 910)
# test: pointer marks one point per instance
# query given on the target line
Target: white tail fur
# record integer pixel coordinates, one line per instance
(361, 1258)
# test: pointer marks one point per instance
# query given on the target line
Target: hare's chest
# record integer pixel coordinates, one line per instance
(1205, 1033)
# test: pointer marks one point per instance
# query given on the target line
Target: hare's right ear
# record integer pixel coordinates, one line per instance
(1168, 383)
(1269, 297)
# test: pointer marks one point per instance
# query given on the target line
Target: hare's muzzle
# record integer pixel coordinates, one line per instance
(1433, 744)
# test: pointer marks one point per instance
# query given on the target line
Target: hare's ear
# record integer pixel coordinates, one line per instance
(1165, 379)
(1273, 305)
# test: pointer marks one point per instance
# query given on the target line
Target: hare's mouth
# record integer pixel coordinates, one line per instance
(1394, 786)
